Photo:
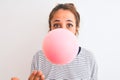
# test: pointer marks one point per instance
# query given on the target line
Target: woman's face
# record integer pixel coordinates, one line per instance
(64, 19)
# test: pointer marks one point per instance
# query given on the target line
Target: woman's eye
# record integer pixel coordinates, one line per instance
(56, 26)
(69, 25)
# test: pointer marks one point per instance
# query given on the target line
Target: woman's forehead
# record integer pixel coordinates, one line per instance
(63, 15)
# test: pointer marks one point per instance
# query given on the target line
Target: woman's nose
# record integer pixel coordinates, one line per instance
(64, 26)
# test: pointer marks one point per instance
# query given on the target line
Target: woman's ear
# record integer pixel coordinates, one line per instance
(77, 31)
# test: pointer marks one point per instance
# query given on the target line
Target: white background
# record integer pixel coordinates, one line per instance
(24, 23)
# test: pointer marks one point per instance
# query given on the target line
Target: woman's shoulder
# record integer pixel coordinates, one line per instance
(87, 54)
(39, 55)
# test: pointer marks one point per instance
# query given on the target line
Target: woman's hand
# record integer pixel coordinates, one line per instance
(36, 75)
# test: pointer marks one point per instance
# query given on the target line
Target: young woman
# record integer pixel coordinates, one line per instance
(83, 67)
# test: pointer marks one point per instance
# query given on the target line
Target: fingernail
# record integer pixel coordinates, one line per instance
(35, 71)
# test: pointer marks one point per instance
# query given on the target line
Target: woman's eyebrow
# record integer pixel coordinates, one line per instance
(56, 20)
(69, 20)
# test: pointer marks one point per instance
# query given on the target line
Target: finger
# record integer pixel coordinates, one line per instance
(39, 76)
(32, 76)
(14, 78)
(42, 77)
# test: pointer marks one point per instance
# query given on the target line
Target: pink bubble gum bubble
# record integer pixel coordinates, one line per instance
(60, 46)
